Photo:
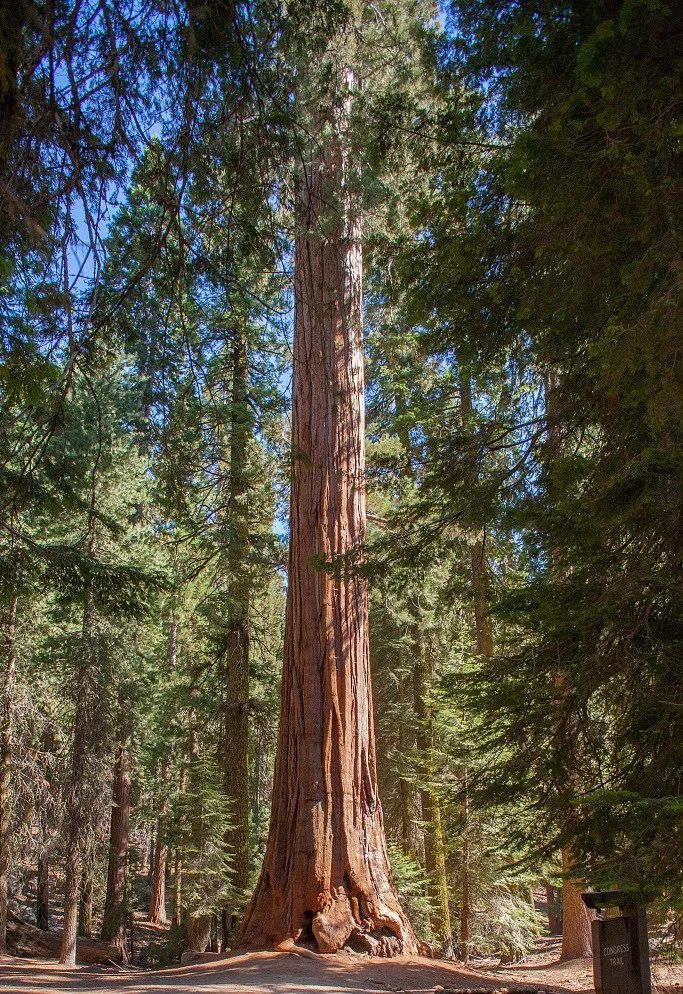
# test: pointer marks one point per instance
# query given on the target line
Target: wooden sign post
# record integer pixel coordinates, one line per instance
(621, 956)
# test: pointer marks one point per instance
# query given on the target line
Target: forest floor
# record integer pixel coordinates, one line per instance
(304, 972)
(290, 973)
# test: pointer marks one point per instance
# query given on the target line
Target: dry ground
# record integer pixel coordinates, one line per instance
(287, 973)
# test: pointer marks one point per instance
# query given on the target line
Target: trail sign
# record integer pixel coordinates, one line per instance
(621, 961)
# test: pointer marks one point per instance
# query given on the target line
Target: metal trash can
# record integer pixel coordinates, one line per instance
(621, 954)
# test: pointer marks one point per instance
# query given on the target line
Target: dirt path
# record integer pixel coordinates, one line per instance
(286, 973)
(254, 973)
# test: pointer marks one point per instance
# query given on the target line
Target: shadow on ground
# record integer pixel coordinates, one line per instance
(266, 973)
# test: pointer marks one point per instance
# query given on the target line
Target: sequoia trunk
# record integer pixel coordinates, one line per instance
(326, 877)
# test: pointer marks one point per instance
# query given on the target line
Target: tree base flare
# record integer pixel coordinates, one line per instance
(385, 945)
(336, 927)
(339, 925)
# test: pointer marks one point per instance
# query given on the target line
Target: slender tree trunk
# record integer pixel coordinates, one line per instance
(159, 857)
(482, 619)
(178, 864)
(412, 832)
(177, 887)
(576, 917)
(143, 851)
(435, 856)
(43, 861)
(76, 813)
(406, 817)
(326, 877)
(10, 618)
(151, 853)
(465, 908)
(43, 890)
(483, 634)
(85, 908)
(256, 752)
(483, 628)
(236, 689)
(554, 913)
(114, 916)
(410, 816)
(157, 901)
(198, 922)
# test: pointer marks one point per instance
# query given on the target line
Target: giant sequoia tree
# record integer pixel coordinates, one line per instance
(326, 875)
(526, 543)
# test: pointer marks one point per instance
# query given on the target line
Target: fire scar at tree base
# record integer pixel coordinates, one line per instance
(345, 921)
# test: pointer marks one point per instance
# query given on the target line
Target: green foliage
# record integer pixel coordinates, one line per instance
(200, 821)
(411, 884)
(518, 174)
(509, 926)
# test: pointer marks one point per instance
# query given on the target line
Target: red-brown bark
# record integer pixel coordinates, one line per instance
(326, 877)
(576, 917)
(157, 901)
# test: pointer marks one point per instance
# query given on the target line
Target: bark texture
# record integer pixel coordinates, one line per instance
(576, 917)
(10, 618)
(326, 876)
(157, 901)
(114, 916)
